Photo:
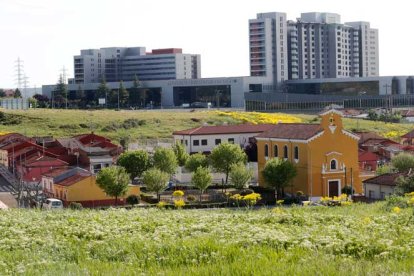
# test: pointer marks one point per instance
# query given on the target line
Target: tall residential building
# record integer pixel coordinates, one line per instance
(268, 46)
(316, 45)
(121, 63)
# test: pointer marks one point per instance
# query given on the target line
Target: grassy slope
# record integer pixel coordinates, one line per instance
(357, 239)
(158, 124)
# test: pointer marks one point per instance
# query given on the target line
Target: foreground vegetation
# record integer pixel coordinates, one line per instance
(356, 239)
(156, 123)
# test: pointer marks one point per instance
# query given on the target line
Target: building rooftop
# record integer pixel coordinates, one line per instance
(225, 129)
(388, 179)
(73, 179)
(292, 131)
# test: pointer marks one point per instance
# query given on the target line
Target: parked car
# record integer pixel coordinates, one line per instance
(53, 203)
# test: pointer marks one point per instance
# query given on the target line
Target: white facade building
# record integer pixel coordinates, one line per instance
(120, 63)
(205, 138)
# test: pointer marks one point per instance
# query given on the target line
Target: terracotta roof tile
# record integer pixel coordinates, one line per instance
(209, 130)
(292, 131)
(73, 179)
(389, 179)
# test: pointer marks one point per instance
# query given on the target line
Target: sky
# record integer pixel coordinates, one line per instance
(46, 34)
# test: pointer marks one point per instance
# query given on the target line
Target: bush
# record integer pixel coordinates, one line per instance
(132, 200)
(347, 190)
(246, 192)
(75, 206)
(191, 198)
(148, 198)
(396, 201)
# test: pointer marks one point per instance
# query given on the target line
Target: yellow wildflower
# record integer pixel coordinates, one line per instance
(178, 193)
(396, 210)
(179, 203)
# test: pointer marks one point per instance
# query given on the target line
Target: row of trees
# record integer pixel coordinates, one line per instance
(155, 171)
(16, 94)
(121, 97)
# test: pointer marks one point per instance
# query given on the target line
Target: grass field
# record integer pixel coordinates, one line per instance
(154, 123)
(356, 239)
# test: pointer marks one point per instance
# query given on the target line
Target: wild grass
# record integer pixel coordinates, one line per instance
(356, 239)
(141, 124)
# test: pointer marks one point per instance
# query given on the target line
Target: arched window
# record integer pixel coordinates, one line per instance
(296, 153)
(266, 151)
(333, 164)
(275, 151)
(285, 152)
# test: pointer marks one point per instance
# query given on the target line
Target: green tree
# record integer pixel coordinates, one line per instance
(277, 174)
(196, 160)
(155, 180)
(134, 162)
(32, 102)
(201, 179)
(225, 155)
(240, 176)
(403, 162)
(165, 160)
(132, 200)
(113, 181)
(17, 93)
(123, 94)
(103, 91)
(180, 153)
(405, 185)
(383, 169)
(60, 93)
(134, 95)
(2, 93)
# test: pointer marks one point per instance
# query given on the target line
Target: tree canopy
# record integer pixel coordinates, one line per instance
(403, 162)
(201, 179)
(196, 160)
(225, 155)
(277, 174)
(240, 176)
(180, 153)
(155, 180)
(134, 162)
(113, 181)
(165, 160)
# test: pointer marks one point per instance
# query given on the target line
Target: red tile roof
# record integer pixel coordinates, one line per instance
(56, 171)
(409, 135)
(292, 131)
(388, 179)
(73, 179)
(225, 129)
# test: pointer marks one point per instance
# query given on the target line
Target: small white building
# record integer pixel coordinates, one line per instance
(204, 138)
(381, 186)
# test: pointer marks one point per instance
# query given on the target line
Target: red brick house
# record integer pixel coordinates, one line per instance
(368, 161)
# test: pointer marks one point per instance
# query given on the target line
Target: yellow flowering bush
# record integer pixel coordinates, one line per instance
(161, 204)
(260, 118)
(396, 210)
(178, 193)
(180, 203)
(249, 199)
(341, 200)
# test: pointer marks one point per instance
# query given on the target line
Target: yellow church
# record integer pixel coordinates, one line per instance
(325, 155)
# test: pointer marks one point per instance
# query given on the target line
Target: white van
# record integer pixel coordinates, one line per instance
(53, 203)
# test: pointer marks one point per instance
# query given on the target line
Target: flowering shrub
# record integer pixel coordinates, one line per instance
(342, 200)
(179, 203)
(248, 199)
(161, 204)
(260, 118)
(178, 193)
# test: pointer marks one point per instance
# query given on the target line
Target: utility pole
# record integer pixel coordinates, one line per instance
(24, 96)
